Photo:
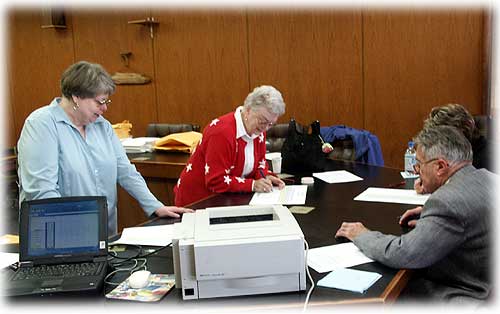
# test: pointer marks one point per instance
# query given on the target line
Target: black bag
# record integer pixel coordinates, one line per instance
(302, 151)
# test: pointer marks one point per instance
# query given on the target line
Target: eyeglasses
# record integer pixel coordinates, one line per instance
(419, 164)
(103, 102)
(262, 121)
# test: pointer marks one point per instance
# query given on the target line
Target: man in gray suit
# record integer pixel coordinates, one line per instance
(450, 242)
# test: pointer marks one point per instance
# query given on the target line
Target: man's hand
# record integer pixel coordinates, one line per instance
(351, 230)
(419, 188)
(409, 217)
(172, 211)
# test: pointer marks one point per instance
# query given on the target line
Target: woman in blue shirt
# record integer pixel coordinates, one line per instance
(68, 149)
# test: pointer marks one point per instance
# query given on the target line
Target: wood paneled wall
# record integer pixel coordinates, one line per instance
(380, 70)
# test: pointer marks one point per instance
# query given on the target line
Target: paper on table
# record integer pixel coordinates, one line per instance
(328, 258)
(290, 195)
(339, 176)
(349, 279)
(8, 258)
(400, 196)
(150, 235)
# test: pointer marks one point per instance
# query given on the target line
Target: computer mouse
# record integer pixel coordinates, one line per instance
(139, 279)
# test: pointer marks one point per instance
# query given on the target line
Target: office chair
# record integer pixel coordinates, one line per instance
(163, 129)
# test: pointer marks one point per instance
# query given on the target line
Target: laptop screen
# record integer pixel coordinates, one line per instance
(64, 227)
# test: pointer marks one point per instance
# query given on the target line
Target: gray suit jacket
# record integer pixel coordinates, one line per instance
(450, 243)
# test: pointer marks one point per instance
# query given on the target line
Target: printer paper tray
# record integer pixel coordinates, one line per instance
(248, 286)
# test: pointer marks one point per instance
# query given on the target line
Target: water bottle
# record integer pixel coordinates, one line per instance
(410, 157)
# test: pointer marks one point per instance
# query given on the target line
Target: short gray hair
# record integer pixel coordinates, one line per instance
(266, 96)
(454, 115)
(444, 141)
(86, 80)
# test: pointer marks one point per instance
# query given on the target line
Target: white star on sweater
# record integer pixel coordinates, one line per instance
(262, 164)
(240, 180)
(207, 168)
(261, 137)
(214, 122)
(189, 167)
(227, 180)
(179, 182)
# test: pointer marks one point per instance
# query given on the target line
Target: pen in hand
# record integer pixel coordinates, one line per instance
(262, 173)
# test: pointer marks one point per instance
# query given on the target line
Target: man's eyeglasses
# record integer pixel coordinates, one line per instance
(103, 102)
(419, 164)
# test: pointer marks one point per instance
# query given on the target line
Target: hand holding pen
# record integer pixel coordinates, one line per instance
(266, 184)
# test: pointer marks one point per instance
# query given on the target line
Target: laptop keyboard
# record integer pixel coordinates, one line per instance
(59, 271)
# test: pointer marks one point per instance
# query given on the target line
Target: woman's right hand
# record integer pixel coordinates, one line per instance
(263, 185)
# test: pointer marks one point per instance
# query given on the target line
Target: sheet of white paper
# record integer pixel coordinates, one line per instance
(400, 196)
(290, 195)
(150, 235)
(349, 279)
(8, 258)
(339, 176)
(328, 258)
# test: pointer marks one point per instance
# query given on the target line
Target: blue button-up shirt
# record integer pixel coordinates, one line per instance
(56, 161)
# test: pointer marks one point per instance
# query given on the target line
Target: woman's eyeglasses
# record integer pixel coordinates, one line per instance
(103, 102)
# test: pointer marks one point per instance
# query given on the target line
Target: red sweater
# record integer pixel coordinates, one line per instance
(217, 163)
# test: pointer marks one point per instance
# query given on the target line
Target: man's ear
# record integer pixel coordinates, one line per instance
(443, 166)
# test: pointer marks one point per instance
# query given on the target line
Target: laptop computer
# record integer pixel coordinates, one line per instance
(63, 246)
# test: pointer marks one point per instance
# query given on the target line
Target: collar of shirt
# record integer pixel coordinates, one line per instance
(240, 127)
(61, 115)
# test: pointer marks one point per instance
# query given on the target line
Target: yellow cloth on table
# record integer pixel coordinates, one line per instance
(179, 142)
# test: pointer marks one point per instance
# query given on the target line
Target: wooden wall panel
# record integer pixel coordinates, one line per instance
(8, 131)
(314, 58)
(201, 64)
(36, 59)
(413, 61)
(100, 36)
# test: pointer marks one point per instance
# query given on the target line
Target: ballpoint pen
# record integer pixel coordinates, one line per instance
(262, 173)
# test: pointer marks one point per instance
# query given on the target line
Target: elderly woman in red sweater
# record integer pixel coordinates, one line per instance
(231, 155)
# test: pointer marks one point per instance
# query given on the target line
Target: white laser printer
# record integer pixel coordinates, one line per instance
(238, 250)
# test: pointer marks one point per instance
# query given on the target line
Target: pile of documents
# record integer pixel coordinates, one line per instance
(139, 144)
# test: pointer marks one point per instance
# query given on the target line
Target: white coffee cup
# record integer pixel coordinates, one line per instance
(276, 162)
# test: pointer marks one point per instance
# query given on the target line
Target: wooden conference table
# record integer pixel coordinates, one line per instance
(333, 204)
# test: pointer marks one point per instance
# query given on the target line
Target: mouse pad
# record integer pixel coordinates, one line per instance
(159, 285)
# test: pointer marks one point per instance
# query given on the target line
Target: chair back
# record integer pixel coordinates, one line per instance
(164, 129)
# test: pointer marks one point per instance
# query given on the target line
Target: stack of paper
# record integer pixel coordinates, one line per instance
(139, 144)
(349, 279)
